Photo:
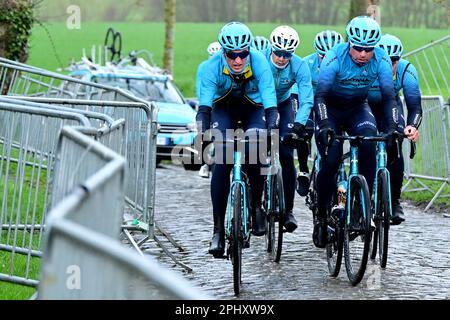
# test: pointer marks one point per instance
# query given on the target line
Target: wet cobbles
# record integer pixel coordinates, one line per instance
(418, 262)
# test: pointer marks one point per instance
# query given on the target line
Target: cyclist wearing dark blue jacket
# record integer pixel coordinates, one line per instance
(346, 74)
(289, 71)
(406, 78)
(323, 41)
(236, 84)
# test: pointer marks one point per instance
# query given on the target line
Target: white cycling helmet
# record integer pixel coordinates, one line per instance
(213, 48)
(284, 38)
(326, 40)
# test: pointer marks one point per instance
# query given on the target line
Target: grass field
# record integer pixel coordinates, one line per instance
(191, 40)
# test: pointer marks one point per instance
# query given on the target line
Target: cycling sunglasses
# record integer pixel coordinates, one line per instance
(282, 54)
(233, 55)
(361, 49)
(395, 59)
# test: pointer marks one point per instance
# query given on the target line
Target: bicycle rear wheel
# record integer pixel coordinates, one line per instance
(335, 241)
(276, 218)
(357, 233)
(237, 236)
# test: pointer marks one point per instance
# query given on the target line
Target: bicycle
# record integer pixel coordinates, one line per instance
(238, 222)
(382, 201)
(273, 202)
(350, 218)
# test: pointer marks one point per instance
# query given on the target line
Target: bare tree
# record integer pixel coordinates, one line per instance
(169, 17)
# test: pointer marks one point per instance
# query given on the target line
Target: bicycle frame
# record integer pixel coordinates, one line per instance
(382, 166)
(237, 180)
(353, 173)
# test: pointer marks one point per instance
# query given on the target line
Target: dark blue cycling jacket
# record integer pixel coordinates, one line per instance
(405, 78)
(345, 84)
(295, 74)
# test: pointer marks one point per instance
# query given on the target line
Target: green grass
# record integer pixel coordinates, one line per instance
(30, 183)
(191, 40)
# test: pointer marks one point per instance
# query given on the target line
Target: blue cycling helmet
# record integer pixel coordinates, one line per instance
(326, 40)
(235, 36)
(392, 45)
(261, 43)
(363, 31)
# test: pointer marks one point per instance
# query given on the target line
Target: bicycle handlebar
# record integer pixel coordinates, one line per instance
(412, 152)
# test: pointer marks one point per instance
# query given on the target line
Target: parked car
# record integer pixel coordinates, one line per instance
(176, 118)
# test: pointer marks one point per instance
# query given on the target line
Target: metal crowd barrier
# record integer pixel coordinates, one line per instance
(432, 160)
(17, 79)
(28, 141)
(432, 64)
(135, 148)
(83, 258)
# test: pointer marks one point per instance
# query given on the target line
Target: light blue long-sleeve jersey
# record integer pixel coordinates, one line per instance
(345, 84)
(314, 67)
(216, 81)
(200, 68)
(295, 74)
(405, 78)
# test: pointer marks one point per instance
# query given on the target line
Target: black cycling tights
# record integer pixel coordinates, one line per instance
(396, 169)
(220, 186)
(289, 175)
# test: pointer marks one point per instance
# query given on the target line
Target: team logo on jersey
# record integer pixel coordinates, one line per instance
(290, 125)
(215, 125)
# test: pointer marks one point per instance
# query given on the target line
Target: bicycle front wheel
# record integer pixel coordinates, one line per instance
(357, 232)
(383, 216)
(276, 218)
(237, 236)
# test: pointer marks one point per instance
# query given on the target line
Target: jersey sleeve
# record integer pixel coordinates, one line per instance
(305, 93)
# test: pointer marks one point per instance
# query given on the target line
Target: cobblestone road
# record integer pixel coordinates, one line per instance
(418, 264)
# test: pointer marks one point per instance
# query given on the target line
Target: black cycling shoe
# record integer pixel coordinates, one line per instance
(217, 245)
(302, 184)
(320, 234)
(397, 213)
(259, 221)
(290, 224)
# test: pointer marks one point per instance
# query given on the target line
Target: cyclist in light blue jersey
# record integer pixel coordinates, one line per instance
(261, 43)
(236, 84)
(323, 41)
(405, 77)
(346, 74)
(212, 49)
(289, 71)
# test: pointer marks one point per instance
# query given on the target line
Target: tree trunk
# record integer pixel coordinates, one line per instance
(357, 8)
(169, 17)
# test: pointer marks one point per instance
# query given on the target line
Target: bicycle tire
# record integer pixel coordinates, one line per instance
(276, 218)
(384, 205)
(358, 228)
(335, 243)
(237, 236)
